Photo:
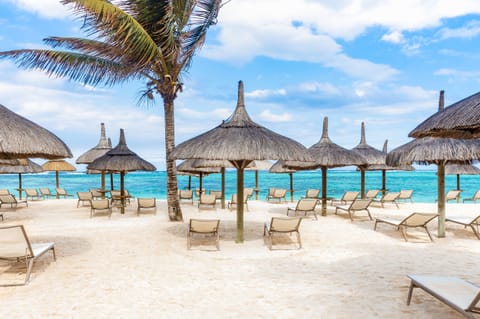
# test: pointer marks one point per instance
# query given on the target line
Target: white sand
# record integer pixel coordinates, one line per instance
(139, 267)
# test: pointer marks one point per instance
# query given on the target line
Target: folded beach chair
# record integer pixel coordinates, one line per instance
(312, 193)
(4, 192)
(207, 200)
(15, 246)
(46, 192)
(358, 205)
(405, 194)
(347, 197)
(185, 194)
(388, 198)
(413, 220)
(234, 201)
(474, 198)
(372, 194)
(282, 225)
(305, 205)
(204, 227)
(62, 192)
(473, 223)
(146, 203)
(10, 199)
(457, 293)
(248, 192)
(100, 205)
(84, 198)
(279, 194)
(32, 194)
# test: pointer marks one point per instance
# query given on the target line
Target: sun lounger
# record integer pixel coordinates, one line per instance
(100, 205)
(474, 198)
(347, 197)
(32, 194)
(279, 194)
(282, 225)
(217, 194)
(185, 194)
(62, 192)
(452, 195)
(46, 192)
(413, 220)
(473, 223)
(305, 205)
(4, 192)
(358, 205)
(15, 246)
(405, 194)
(207, 200)
(457, 293)
(372, 194)
(204, 227)
(10, 199)
(248, 192)
(312, 193)
(84, 198)
(388, 198)
(234, 201)
(96, 194)
(146, 203)
(270, 193)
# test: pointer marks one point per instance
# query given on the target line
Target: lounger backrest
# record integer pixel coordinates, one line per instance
(204, 225)
(100, 203)
(14, 242)
(390, 197)
(418, 219)
(95, 192)
(217, 194)
(61, 191)
(45, 191)
(360, 204)
(405, 194)
(306, 204)
(280, 193)
(186, 193)
(284, 225)
(146, 202)
(312, 193)
(476, 196)
(372, 193)
(453, 194)
(4, 192)
(248, 191)
(207, 199)
(350, 196)
(84, 195)
(114, 193)
(271, 191)
(31, 192)
(8, 199)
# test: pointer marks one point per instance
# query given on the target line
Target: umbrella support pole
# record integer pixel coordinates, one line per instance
(122, 192)
(441, 199)
(57, 182)
(20, 185)
(458, 188)
(223, 187)
(362, 182)
(291, 187)
(256, 185)
(239, 205)
(384, 181)
(103, 184)
(324, 191)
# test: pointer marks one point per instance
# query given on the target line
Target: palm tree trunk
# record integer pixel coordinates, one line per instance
(174, 211)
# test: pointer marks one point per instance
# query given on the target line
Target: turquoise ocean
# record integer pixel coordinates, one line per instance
(153, 184)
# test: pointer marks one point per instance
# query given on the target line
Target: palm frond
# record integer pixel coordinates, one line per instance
(74, 66)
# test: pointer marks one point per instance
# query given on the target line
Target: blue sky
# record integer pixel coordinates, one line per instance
(381, 62)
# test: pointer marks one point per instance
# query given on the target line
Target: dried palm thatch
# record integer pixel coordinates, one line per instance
(122, 160)
(280, 168)
(459, 120)
(58, 166)
(461, 169)
(240, 140)
(21, 138)
(29, 167)
(9, 162)
(100, 149)
(188, 166)
(371, 155)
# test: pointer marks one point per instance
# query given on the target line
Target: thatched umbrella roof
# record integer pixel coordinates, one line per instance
(280, 168)
(459, 120)
(188, 166)
(461, 169)
(371, 155)
(25, 166)
(21, 138)
(58, 166)
(100, 149)
(121, 159)
(240, 140)
(9, 162)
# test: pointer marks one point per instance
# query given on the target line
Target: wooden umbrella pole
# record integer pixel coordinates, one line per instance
(239, 204)
(57, 183)
(384, 181)
(189, 182)
(223, 187)
(201, 184)
(256, 185)
(324, 191)
(291, 186)
(103, 184)
(20, 185)
(111, 181)
(441, 199)
(362, 182)
(122, 192)
(458, 188)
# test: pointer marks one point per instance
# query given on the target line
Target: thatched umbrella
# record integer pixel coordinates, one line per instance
(459, 120)
(58, 166)
(188, 166)
(21, 138)
(241, 141)
(326, 155)
(92, 154)
(461, 169)
(384, 168)
(258, 166)
(221, 165)
(30, 167)
(371, 155)
(121, 159)
(280, 168)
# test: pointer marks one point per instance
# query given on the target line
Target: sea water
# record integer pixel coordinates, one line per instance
(153, 184)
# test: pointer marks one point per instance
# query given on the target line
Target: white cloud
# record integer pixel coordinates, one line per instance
(269, 116)
(470, 30)
(265, 93)
(395, 37)
(46, 8)
(459, 74)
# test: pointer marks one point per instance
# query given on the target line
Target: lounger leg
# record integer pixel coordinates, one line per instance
(428, 233)
(54, 255)
(218, 240)
(369, 216)
(188, 240)
(410, 291)
(29, 270)
(475, 231)
(299, 240)
(404, 232)
(375, 226)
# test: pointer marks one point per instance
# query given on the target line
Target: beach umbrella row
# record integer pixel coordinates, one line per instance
(29, 167)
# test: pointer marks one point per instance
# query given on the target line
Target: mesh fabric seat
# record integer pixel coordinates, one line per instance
(84, 198)
(102, 205)
(233, 203)
(414, 220)
(146, 204)
(32, 194)
(10, 199)
(62, 192)
(185, 194)
(207, 200)
(305, 205)
(389, 198)
(473, 223)
(46, 193)
(405, 194)
(372, 194)
(347, 197)
(204, 227)
(358, 205)
(312, 193)
(279, 194)
(282, 225)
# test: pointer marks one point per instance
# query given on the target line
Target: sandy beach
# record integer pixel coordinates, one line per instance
(139, 267)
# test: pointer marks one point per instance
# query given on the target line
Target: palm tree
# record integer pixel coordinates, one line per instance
(151, 40)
